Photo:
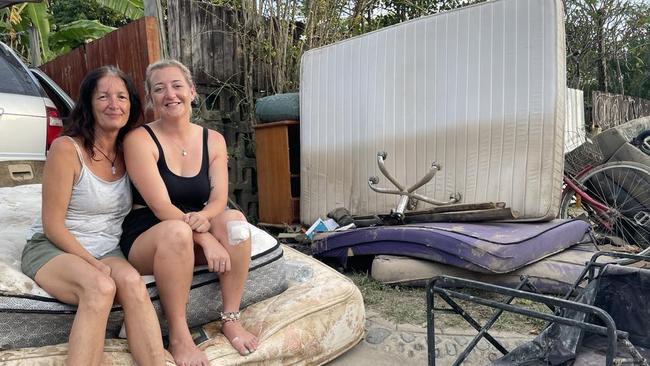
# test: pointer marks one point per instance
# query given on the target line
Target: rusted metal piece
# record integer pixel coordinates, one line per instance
(464, 216)
(459, 207)
(473, 212)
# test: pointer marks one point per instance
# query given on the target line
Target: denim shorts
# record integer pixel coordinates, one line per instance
(39, 250)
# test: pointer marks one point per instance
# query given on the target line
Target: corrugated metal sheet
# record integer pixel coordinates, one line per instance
(480, 90)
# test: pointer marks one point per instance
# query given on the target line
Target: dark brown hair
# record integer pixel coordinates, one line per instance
(82, 121)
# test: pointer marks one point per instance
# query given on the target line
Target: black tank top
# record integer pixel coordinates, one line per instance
(186, 193)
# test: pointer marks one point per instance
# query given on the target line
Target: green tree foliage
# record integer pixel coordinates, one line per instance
(68, 11)
(608, 46)
(64, 24)
(132, 9)
(277, 32)
(54, 39)
(635, 69)
(76, 33)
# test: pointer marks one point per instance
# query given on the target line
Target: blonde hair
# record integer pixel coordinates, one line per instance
(161, 65)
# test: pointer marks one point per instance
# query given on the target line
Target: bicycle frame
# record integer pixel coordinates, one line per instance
(601, 209)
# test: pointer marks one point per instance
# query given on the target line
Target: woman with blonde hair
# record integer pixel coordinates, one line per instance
(179, 217)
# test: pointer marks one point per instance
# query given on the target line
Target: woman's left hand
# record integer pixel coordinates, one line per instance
(216, 256)
(197, 222)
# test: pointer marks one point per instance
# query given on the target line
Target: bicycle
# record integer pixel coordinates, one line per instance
(614, 197)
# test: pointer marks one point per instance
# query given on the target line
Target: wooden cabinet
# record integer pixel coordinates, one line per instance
(278, 167)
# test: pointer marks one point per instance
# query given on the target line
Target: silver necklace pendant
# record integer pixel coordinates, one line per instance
(113, 169)
(184, 152)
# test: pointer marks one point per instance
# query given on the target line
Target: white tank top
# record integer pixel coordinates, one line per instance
(96, 210)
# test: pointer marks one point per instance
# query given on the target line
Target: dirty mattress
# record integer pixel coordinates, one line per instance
(320, 316)
(30, 317)
(481, 90)
(484, 247)
(552, 275)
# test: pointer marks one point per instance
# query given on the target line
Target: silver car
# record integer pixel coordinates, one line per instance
(32, 109)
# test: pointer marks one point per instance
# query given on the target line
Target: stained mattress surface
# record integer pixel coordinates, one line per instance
(484, 247)
(320, 316)
(552, 275)
(480, 90)
(31, 317)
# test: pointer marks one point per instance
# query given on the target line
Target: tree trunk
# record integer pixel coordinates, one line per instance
(620, 75)
(601, 73)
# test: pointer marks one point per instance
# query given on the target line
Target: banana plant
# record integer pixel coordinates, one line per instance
(132, 9)
(75, 33)
(39, 17)
(53, 41)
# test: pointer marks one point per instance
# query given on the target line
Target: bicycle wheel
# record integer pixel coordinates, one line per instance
(623, 189)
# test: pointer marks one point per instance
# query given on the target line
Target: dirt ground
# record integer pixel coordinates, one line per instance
(407, 305)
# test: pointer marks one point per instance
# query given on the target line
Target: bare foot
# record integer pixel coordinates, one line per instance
(241, 339)
(187, 354)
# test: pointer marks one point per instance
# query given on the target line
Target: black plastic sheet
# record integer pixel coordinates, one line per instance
(624, 293)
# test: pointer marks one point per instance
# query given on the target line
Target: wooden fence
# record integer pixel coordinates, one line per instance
(202, 36)
(131, 48)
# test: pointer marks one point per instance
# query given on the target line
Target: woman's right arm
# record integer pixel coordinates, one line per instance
(61, 169)
(141, 164)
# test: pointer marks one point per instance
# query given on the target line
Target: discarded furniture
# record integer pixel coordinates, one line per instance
(553, 275)
(407, 194)
(481, 247)
(319, 316)
(604, 323)
(446, 211)
(278, 168)
(463, 88)
(30, 317)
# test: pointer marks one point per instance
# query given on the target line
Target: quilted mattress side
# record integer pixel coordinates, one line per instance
(32, 321)
(480, 90)
(554, 275)
(320, 316)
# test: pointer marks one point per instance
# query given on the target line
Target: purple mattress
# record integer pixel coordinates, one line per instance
(479, 247)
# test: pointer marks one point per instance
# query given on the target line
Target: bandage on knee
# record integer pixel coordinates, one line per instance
(238, 232)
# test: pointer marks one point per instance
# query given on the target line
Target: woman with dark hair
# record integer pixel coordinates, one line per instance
(72, 251)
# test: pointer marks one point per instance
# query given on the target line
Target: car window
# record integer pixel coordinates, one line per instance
(15, 78)
(60, 99)
(61, 106)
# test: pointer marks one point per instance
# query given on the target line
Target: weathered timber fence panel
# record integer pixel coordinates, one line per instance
(204, 38)
(131, 48)
(68, 70)
(611, 110)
